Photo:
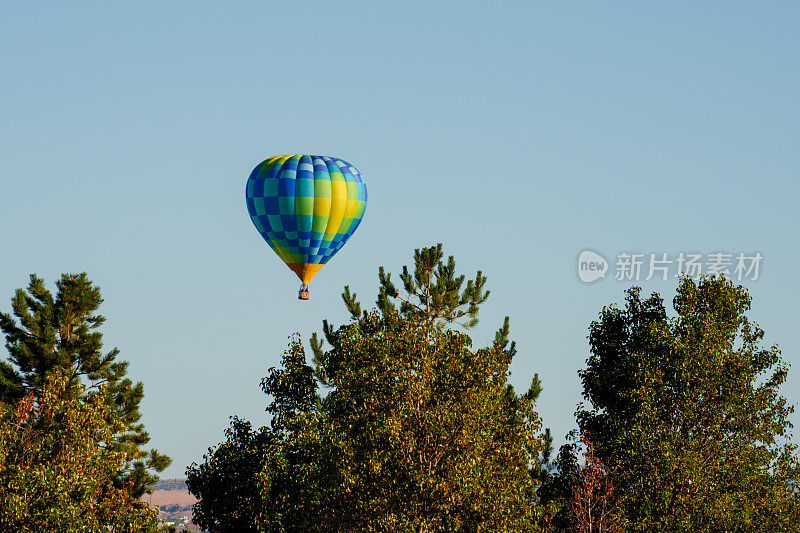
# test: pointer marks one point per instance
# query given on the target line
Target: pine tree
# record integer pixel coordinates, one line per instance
(434, 298)
(50, 333)
(434, 292)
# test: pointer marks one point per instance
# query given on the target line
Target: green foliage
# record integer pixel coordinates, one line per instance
(255, 480)
(55, 470)
(686, 414)
(433, 292)
(417, 430)
(424, 433)
(60, 333)
(226, 483)
(293, 390)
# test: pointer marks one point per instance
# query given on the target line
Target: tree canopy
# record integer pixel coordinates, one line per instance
(401, 424)
(60, 333)
(56, 471)
(685, 413)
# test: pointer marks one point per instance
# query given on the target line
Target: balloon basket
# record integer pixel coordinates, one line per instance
(303, 294)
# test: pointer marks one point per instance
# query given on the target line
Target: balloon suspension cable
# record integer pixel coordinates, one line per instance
(303, 295)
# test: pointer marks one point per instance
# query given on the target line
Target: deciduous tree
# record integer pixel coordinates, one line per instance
(56, 468)
(401, 425)
(686, 413)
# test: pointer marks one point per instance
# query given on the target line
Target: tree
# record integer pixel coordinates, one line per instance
(686, 414)
(593, 501)
(251, 482)
(578, 497)
(226, 484)
(400, 425)
(425, 432)
(434, 294)
(55, 469)
(48, 334)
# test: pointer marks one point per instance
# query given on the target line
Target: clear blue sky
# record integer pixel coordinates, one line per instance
(517, 133)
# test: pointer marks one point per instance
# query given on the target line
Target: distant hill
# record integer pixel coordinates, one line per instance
(174, 503)
(170, 484)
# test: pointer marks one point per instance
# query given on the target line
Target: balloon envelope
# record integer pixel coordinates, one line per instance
(306, 207)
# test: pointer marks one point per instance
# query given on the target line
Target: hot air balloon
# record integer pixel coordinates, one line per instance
(306, 207)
